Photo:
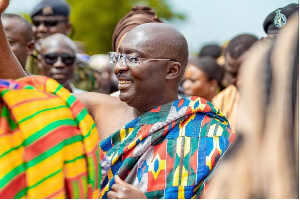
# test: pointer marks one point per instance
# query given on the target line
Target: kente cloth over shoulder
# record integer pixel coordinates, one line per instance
(168, 151)
(48, 142)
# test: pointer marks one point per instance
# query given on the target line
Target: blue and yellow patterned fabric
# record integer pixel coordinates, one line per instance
(168, 151)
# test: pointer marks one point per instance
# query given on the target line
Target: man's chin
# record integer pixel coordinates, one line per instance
(125, 97)
(60, 81)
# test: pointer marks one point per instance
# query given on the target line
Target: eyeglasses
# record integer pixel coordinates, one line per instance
(47, 23)
(51, 58)
(129, 60)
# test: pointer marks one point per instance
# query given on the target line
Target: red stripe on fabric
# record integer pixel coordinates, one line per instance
(50, 140)
(205, 120)
(53, 195)
(207, 108)
(194, 161)
(90, 192)
(180, 103)
(13, 187)
(31, 100)
(232, 137)
(193, 98)
(161, 150)
(156, 109)
(76, 108)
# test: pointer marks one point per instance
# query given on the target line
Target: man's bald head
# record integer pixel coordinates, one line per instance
(56, 40)
(161, 40)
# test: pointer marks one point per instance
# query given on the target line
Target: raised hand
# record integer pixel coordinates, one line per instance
(123, 190)
(3, 5)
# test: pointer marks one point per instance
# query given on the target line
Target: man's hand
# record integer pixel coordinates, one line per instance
(123, 190)
(3, 5)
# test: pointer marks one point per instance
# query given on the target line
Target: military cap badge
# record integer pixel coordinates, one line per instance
(47, 10)
(279, 19)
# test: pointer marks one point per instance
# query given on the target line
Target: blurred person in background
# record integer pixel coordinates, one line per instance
(235, 54)
(57, 60)
(202, 77)
(48, 17)
(19, 34)
(212, 50)
(84, 77)
(268, 125)
(103, 73)
(216, 52)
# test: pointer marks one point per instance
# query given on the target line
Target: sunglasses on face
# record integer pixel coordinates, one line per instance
(47, 23)
(51, 58)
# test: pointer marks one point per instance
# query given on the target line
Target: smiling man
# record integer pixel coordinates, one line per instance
(155, 145)
(161, 146)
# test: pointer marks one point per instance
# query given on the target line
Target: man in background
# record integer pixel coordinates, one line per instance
(235, 54)
(57, 60)
(19, 34)
(48, 17)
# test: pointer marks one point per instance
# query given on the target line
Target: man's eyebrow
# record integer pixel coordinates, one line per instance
(129, 51)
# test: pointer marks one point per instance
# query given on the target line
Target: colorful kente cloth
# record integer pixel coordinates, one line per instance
(168, 151)
(48, 142)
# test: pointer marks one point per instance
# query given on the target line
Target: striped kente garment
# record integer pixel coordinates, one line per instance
(168, 151)
(48, 142)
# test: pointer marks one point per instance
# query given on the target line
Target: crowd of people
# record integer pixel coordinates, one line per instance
(148, 119)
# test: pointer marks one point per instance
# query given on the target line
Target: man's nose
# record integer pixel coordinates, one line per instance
(42, 27)
(120, 66)
(59, 63)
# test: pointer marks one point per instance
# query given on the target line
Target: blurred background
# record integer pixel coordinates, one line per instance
(202, 22)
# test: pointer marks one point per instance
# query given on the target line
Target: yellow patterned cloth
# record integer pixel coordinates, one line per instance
(48, 142)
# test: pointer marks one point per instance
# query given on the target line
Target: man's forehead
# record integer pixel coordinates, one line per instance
(136, 42)
(54, 45)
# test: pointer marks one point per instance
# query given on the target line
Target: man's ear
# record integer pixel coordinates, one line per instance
(29, 47)
(174, 70)
(68, 28)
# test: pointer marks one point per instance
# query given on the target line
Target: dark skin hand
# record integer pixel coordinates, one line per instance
(123, 190)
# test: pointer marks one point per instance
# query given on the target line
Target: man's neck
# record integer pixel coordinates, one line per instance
(137, 112)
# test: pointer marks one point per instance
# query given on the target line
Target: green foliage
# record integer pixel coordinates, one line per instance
(26, 16)
(94, 21)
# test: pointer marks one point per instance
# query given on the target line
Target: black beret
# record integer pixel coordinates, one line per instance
(278, 18)
(51, 8)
